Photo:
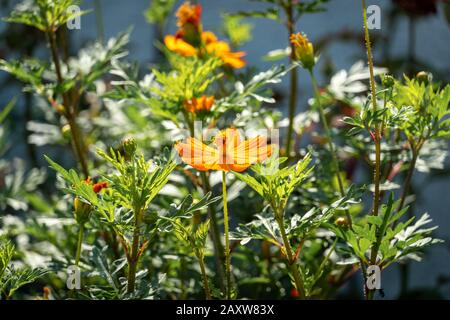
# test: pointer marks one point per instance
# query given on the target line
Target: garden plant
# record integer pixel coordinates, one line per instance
(186, 178)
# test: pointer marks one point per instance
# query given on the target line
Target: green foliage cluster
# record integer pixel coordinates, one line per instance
(141, 225)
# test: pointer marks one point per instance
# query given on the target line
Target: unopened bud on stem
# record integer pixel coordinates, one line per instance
(303, 50)
(129, 146)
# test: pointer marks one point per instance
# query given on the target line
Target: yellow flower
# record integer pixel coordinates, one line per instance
(222, 50)
(303, 50)
(179, 46)
(228, 152)
(191, 41)
(195, 105)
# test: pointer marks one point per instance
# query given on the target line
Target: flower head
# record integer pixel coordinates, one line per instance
(81, 210)
(227, 153)
(96, 187)
(188, 13)
(178, 45)
(129, 146)
(196, 105)
(222, 50)
(303, 50)
(190, 41)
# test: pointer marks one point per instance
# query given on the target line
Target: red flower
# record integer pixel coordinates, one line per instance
(295, 293)
(99, 186)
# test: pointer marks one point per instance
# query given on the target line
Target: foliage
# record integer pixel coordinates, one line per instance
(139, 225)
(13, 278)
(45, 15)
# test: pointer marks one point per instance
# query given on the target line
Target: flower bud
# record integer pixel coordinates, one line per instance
(66, 131)
(150, 217)
(82, 210)
(303, 50)
(424, 77)
(341, 221)
(129, 146)
(387, 80)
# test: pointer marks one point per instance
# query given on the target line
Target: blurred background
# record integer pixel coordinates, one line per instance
(414, 36)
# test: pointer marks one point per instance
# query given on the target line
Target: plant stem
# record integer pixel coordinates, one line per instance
(227, 239)
(77, 139)
(215, 232)
(204, 277)
(408, 179)
(133, 260)
(377, 136)
(334, 157)
(80, 242)
(404, 269)
(292, 264)
(293, 81)
(99, 20)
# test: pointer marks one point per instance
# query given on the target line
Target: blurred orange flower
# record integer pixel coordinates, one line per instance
(189, 14)
(222, 50)
(191, 41)
(228, 152)
(178, 45)
(204, 103)
(97, 187)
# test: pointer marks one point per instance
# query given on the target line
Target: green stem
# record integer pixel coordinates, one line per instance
(99, 21)
(80, 242)
(335, 161)
(204, 277)
(133, 260)
(215, 232)
(408, 180)
(404, 269)
(293, 81)
(77, 139)
(292, 261)
(377, 136)
(227, 239)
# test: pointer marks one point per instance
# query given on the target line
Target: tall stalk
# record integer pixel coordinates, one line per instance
(69, 108)
(204, 277)
(133, 259)
(79, 243)
(227, 237)
(289, 10)
(215, 232)
(335, 161)
(291, 258)
(409, 175)
(376, 138)
(99, 21)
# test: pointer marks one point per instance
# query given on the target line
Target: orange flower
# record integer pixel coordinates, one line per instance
(189, 14)
(204, 103)
(178, 45)
(97, 187)
(191, 41)
(222, 50)
(303, 50)
(229, 153)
